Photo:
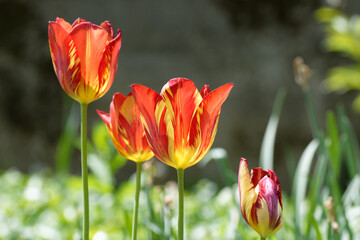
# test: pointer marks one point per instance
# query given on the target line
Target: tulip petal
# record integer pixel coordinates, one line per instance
(181, 98)
(273, 176)
(78, 21)
(152, 108)
(205, 91)
(90, 41)
(126, 131)
(248, 196)
(116, 102)
(105, 117)
(204, 123)
(108, 65)
(64, 24)
(269, 212)
(257, 174)
(65, 58)
(107, 26)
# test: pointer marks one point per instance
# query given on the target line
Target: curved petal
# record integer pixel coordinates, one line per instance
(108, 65)
(107, 26)
(152, 109)
(90, 41)
(273, 176)
(248, 195)
(269, 212)
(257, 174)
(205, 122)
(105, 117)
(78, 21)
(181, 98)
(115, 104)
(205, 91)
(65, 58)
(127, 129)
(64, 24)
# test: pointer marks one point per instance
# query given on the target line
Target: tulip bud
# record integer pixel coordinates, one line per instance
(260, 199)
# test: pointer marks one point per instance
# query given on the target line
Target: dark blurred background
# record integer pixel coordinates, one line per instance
(250, 43)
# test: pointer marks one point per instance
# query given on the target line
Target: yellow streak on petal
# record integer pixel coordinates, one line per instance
(158, 112)
(262, 226)
(126, 109)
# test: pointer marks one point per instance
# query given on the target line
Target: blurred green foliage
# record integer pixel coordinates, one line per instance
(342, 36)
(47, 205)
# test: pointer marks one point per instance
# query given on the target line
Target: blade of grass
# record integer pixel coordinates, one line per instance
(317, 229)
(333, 144)
(350, 143)
(315, 188)
(334, 154)
(300, 182)
(351, 195)
(268, 143)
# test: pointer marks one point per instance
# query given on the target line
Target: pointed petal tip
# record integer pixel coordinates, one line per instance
(100, 112)
(117, 95)
(135, 85)
(119, 32)
(243, 164)
(118, 37)
(104, 116)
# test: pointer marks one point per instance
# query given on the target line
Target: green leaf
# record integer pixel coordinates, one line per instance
(268, 143)
(343, 78)
(350, 143)
(300, 182)
(333, 143)
(326, 14)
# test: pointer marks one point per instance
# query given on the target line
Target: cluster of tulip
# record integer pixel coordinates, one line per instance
(178, 125)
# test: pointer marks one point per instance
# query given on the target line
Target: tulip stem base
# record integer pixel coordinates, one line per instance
(180, 174)
(84, 171)
(136, 200)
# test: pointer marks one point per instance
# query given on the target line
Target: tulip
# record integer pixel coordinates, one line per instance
(125, 128)
(85, 58)
(127, 133)
(180, 124)
(260, 199)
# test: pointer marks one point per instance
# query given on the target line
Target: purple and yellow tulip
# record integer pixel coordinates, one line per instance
(260, 199)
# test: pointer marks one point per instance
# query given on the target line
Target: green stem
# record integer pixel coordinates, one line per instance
(136, 202)
(180, 173)
(262, 238)
(84, 170)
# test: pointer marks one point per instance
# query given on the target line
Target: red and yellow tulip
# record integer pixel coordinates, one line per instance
(125, 128)
(84, 56)
(180, 122)
(260, 199)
